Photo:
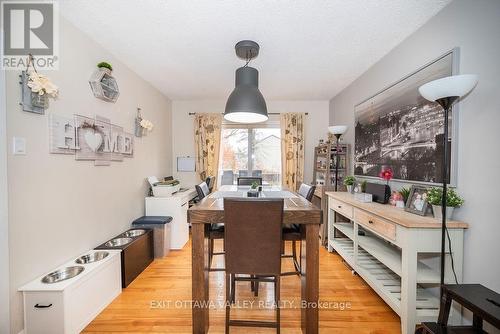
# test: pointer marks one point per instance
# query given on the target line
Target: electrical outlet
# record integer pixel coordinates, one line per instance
(18, 146)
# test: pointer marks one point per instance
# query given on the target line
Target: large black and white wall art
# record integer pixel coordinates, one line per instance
(399, 129)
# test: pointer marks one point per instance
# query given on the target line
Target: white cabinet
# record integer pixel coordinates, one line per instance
(68, 306)
(175, 206)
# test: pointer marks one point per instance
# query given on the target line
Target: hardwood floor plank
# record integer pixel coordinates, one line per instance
(158, 301)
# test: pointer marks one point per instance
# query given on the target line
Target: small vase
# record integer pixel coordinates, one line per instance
(437, 211)
(350, 188)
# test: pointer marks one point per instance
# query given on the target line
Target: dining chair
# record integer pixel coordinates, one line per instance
(253, 249)
(215, 231)
(248, 180)
(291, 232)
(257, 172)
(210, 181)
(227, 177)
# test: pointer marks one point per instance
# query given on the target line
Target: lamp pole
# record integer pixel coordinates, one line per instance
(337, 135)
(446, 104)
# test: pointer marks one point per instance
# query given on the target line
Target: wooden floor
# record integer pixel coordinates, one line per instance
(158, 301)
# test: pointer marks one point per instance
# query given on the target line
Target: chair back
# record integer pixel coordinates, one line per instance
(248, 180)
(257, 172)
(210, 181)
(252, 235)
(202, 190)
(227, 177)
(307, 191)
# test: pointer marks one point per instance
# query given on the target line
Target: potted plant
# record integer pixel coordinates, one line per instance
(106, 67)
(349, 183)
(405, 192)
(435, 196)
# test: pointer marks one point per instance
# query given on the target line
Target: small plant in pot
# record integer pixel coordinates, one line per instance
(435, 196)
(349, 183)
(105, 67)
(405, 192)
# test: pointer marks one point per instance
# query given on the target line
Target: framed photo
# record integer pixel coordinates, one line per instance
(417, 200)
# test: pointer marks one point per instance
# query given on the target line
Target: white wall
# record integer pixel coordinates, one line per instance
(183, 130)
(60, 207)
(474, 26)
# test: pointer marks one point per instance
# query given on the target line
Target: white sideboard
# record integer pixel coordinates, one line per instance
(175, 206)
(396, 256)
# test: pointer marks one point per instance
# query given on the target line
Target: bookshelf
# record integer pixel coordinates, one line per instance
(324, 165)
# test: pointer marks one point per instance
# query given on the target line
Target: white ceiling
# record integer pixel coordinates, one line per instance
(309, 49)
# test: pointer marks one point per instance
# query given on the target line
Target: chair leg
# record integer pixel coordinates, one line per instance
(228, 298)
(300, 258)
(294, 257)
(277, 301)
(210, 253)
(256, 288)
(233, 288)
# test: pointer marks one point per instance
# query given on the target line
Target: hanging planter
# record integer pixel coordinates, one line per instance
(142, 126)
(37, 89)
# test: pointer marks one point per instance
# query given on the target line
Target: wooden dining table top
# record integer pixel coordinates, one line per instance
(296, 208)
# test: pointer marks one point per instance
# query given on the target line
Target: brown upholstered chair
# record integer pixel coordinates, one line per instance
(291, 232)
(253, 248)
(216, 231)
(248, 180)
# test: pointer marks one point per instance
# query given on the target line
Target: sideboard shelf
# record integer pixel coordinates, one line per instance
(386, 254)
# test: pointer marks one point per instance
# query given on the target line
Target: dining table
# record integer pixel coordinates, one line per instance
(296, 210)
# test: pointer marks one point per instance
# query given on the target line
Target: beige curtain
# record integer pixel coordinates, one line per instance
(207, 130)
(292, 149)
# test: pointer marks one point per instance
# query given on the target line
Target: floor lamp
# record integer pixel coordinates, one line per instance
(337, 131)
(446, 92)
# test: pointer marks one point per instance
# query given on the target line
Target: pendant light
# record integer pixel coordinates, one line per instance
(246, 103)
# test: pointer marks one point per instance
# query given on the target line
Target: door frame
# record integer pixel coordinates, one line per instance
(4, 216)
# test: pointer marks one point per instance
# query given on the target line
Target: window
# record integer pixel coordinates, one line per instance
(250, 150)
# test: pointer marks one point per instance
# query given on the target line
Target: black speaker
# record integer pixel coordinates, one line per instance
(380, 192)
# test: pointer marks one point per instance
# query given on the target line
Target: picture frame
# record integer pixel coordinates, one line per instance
(417, 200)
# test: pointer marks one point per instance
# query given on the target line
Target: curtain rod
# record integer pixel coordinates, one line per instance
(269, 113)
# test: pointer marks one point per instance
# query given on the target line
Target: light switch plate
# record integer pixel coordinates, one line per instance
(18, 146)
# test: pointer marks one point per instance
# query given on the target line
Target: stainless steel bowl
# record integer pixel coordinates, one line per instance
(94, 257)
(62, 274)
(134, 233)
(117, 242)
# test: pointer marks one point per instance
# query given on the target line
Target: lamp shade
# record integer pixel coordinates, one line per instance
(456, 85)
(246, 104)
(337, 129)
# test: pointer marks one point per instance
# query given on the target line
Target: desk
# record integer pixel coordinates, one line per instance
(175, 206)
(297, 210)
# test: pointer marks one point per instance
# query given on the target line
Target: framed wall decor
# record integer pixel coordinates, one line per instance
(398, 128)
(417, 200)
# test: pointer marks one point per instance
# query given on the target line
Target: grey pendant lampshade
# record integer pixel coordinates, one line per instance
(246, 104)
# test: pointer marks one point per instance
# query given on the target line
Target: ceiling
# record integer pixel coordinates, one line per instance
(309, 49)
